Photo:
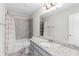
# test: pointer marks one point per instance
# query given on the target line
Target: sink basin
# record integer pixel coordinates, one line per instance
(45, 44)
(48, 44)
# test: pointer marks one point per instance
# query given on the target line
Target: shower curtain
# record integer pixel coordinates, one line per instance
(12, 46)
(10, 33)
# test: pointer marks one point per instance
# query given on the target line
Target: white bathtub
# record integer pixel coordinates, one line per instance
(18, 45)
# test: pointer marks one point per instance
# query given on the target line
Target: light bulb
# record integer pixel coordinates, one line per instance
(59, 5)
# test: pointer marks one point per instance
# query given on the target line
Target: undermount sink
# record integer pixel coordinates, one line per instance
(45, 44)
(48, 44)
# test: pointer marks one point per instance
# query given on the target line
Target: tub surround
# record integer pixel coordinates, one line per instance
(55, 49)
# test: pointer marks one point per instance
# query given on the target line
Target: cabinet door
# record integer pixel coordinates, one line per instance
(36, 53)
(31, 52)
(42, 52)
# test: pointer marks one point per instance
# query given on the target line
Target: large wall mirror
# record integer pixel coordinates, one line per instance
(62, 24)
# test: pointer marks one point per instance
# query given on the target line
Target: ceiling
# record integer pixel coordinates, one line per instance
(23, 8)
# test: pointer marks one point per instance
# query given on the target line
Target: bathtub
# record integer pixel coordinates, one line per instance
(18, 45)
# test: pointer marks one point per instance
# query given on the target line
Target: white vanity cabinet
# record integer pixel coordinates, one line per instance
(36, 50)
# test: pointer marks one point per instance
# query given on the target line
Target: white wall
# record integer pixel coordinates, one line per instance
(74, 29)
(2, 29)
(36, 21)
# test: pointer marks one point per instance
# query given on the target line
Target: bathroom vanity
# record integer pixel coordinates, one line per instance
(42, 47)
(36, 50)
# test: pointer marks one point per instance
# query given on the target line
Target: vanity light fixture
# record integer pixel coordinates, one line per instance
(49, 5)
(55, 5)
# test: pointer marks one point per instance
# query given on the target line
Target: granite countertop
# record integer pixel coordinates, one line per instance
(54, 48)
